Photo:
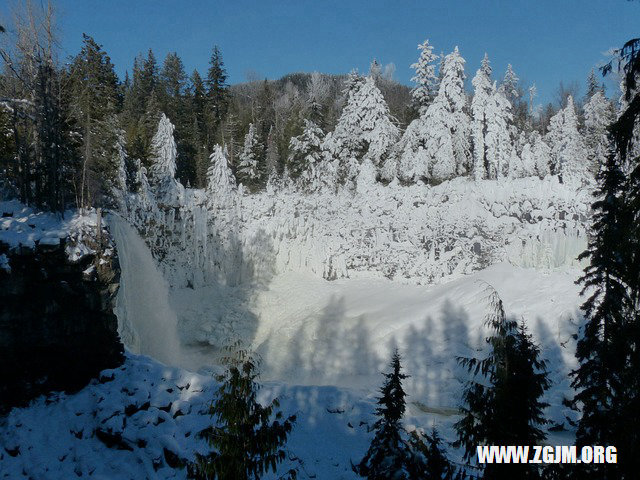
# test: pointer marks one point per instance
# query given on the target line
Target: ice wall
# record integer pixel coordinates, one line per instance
(415, 234)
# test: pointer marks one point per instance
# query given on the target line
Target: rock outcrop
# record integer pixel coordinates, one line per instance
(57, 326)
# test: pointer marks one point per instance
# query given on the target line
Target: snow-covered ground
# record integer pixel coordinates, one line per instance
(323, 287)
(323, 344)
(21, 225)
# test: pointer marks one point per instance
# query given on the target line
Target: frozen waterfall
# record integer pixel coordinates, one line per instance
(146, 322)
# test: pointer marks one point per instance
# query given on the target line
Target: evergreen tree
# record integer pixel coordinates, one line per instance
(483, 92)
(598, 379)
(142, 107)
(305, 156)
(429, 457)
(163, 163)
(251, 168)
(196, 100)
(509, 85)
(365, 128)
(220, 180)
(93, 98)
(509, 410)
(425, 77)
(568, 154)
(175, 104)
(388, 456)
(491, 110)
(598, 115)
(173, 80)
(607, 378)
(447, 147)
(148, 79)
(248, 438)
(217, 94)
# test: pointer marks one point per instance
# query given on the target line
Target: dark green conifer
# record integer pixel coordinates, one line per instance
(248, 438)
(389, 454)
(503, 406)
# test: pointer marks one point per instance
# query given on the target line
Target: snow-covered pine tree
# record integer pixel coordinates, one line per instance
(120, 187)
(305, 156)
(163, 163)
(509, 410)
(480, 109)
(250, 170)
(448, 123)
(593, 86)
(491, 113)
(568, 153)
(425, 77)
(408, 160)
(163, 148)
(499, 143)
(220, 180)
(541, 154)
(509, 85)
(379, 131)
(388, 456)
(598, 115)
(365, 128)
(435, 146)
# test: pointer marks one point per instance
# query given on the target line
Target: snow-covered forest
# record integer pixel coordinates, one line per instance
(270, 247)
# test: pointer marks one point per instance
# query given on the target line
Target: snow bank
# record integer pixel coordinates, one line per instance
(140, 420)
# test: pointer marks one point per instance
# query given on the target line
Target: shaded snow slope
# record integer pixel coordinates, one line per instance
(314, 332)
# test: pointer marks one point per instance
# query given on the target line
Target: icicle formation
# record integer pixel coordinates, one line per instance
(220, 180)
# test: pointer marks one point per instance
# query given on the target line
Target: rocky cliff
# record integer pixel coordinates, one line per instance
(57, 326)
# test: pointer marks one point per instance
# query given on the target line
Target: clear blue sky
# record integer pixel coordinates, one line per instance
(546, 40)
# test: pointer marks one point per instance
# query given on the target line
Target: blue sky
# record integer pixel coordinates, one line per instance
(546, 41)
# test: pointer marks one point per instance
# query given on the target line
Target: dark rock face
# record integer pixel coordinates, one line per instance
(57, 326)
